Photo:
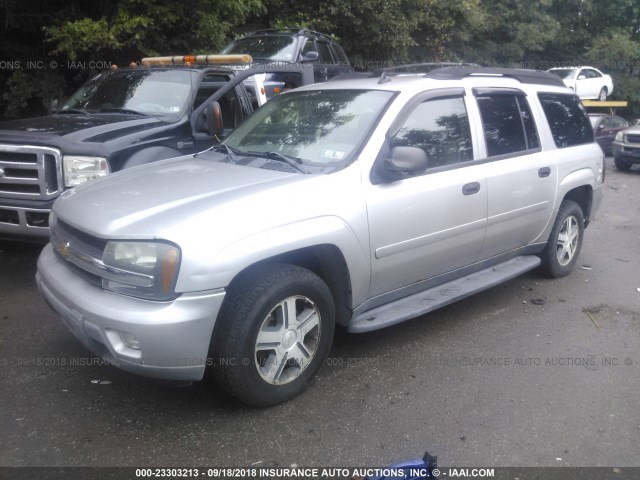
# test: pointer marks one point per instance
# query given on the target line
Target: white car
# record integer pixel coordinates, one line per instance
(587, 82)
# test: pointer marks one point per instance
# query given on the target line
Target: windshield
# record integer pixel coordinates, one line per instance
(564, 73)
(268, 47)
(146, 92)
(320, 128)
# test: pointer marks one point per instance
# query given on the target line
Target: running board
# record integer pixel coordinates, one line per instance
(436, 297)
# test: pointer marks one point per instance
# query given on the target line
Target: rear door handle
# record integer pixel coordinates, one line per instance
(544, 172)
(471, 188)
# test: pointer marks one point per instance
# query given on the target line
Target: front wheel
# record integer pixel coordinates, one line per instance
(622, 165)
(277, 328)
(602, 96)
(561, 253)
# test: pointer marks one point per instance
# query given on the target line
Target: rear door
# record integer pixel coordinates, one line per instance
(521, 179)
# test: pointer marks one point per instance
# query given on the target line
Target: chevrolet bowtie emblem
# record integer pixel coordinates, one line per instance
(63, 249)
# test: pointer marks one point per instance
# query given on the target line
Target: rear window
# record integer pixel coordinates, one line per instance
(567, 119)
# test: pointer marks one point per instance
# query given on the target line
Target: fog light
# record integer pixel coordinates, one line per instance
(130, 340)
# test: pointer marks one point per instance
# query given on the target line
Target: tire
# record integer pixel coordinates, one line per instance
(602, 96)
(622, 164)
(565, 241)
(259, 355)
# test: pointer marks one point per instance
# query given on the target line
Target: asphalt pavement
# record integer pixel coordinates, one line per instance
(534, 372)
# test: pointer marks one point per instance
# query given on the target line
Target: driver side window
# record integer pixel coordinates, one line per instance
(439, 127)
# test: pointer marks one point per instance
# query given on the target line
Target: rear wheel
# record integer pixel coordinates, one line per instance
(622, 164)
(278, 324)
(561, 253)
(602, 96)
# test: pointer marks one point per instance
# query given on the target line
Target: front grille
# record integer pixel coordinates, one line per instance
(30, 172)
(76, 247)
(81, 241)
(633, 138)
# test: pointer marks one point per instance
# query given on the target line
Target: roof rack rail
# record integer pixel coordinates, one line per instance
(354, 75)
(423, 67)
(520, 74)
(294, 30)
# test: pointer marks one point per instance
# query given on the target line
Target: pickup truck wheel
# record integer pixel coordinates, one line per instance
(278, 324)
(622, 165)
(565, 241)
(602, 96)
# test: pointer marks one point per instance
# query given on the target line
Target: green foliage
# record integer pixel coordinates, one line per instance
(148, 28)
(374, 33)
(25, 92)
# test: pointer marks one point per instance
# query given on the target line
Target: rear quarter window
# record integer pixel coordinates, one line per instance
(567, 119)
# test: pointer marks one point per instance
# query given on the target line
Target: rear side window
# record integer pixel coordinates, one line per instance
(508, 124)
(339, 54)
(325, 52)
(567, 119)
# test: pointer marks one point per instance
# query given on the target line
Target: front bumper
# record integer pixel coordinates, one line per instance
(17, 223)
(173, 336)
(626, 152)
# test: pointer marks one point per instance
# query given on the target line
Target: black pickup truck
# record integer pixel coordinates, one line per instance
(123, 118)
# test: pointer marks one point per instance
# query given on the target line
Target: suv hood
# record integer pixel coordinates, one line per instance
(154, 200)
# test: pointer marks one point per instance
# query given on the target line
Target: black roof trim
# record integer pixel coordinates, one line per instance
(537, 77)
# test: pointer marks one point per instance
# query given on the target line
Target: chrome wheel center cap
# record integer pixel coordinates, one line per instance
(289, 339)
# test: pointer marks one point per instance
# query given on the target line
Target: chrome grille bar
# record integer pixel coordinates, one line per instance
(30, 172)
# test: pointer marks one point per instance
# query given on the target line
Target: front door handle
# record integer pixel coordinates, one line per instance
(544, 172)
(471, 188)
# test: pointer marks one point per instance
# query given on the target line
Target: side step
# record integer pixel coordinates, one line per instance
(436, 297)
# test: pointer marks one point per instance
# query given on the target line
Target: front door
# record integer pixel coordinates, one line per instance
(434, 221)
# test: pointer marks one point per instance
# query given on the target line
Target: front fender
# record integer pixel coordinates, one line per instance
(325, 230)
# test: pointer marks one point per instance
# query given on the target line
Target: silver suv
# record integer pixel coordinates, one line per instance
(362, 202)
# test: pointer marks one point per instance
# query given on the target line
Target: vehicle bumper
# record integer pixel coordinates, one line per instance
(626, 152)
(173, 336)
(19, 223)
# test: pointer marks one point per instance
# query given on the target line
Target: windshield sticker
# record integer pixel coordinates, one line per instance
(333, 154)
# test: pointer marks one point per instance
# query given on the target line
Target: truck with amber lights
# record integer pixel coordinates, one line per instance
(163, 107)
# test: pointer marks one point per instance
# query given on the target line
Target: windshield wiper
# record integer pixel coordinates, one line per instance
(121, 110)
(231, 153)
(293, 162)
(72, 110)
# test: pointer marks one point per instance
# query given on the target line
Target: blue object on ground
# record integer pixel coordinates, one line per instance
(416, 469)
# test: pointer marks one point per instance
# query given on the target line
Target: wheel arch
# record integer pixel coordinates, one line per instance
(325, 260)
(583, 196)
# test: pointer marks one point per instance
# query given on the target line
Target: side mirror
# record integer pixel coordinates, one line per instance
(581, 77)
(210, 120)
(406, 161)
(310, 57)
(601, 127)
(53, 106)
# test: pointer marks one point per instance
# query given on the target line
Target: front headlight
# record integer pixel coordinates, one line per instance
(141, 269)
(80, 169)
(619, 136)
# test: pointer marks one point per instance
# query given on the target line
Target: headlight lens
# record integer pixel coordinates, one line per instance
(619, 136)
(141, 269)
(79, 169)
